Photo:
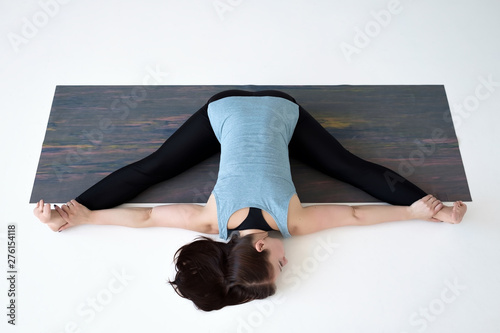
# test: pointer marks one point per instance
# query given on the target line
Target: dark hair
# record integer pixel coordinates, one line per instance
(213, 274)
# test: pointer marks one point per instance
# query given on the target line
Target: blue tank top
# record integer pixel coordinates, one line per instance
(254, 170)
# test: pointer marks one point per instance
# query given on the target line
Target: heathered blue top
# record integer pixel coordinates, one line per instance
(254, 170)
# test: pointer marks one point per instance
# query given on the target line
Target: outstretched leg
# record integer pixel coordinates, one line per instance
(312, 144)
(192, 143)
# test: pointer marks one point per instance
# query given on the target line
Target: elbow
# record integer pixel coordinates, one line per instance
(147, 218)
(357, 216)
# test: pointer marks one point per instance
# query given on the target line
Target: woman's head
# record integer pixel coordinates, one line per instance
(214, 274)
(274, 246)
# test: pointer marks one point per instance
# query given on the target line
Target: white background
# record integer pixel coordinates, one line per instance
(397, 277)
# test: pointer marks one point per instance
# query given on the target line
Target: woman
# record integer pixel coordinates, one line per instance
(255, 132)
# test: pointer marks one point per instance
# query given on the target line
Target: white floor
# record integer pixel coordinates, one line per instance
(398, 277)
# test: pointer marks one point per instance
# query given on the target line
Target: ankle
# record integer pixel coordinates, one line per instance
(444, 214)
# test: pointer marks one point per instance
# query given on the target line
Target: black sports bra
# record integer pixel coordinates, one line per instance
(254, 220)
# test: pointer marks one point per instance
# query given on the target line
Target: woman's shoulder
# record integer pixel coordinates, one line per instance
(209, 214)
(295, 215)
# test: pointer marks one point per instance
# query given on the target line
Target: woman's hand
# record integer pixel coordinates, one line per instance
(73, 213)
(426, 208)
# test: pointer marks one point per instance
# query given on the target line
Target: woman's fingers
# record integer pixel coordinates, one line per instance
(438, 206)
(62, 212)
(433, 203)
(64, 226)
(428, 206)
(426, 198)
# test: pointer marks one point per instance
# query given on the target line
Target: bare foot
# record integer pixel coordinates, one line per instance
(453, 214)
(50, 217)
(459, 209)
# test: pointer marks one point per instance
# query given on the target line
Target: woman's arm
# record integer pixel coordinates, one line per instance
(186, 216)
(320, 217)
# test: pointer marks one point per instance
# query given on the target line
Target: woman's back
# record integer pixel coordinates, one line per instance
(254, 133)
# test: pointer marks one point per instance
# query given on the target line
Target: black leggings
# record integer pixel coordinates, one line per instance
(195, 141)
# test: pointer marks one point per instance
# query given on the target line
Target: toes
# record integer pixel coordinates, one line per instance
(459, 209)
(46, 209)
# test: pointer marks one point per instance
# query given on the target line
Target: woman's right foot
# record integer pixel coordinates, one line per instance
(51, 218)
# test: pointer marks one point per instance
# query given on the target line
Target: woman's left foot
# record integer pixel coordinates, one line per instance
(453, 215)
(458, 212)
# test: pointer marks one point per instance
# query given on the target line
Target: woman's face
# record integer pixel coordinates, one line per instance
(276, 252)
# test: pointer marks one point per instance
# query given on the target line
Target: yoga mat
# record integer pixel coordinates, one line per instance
(94, 130)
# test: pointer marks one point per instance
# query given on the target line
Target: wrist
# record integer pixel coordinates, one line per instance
(90, 218)
(410, 213)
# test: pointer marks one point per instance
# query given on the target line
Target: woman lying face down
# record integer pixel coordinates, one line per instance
(255, 133)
